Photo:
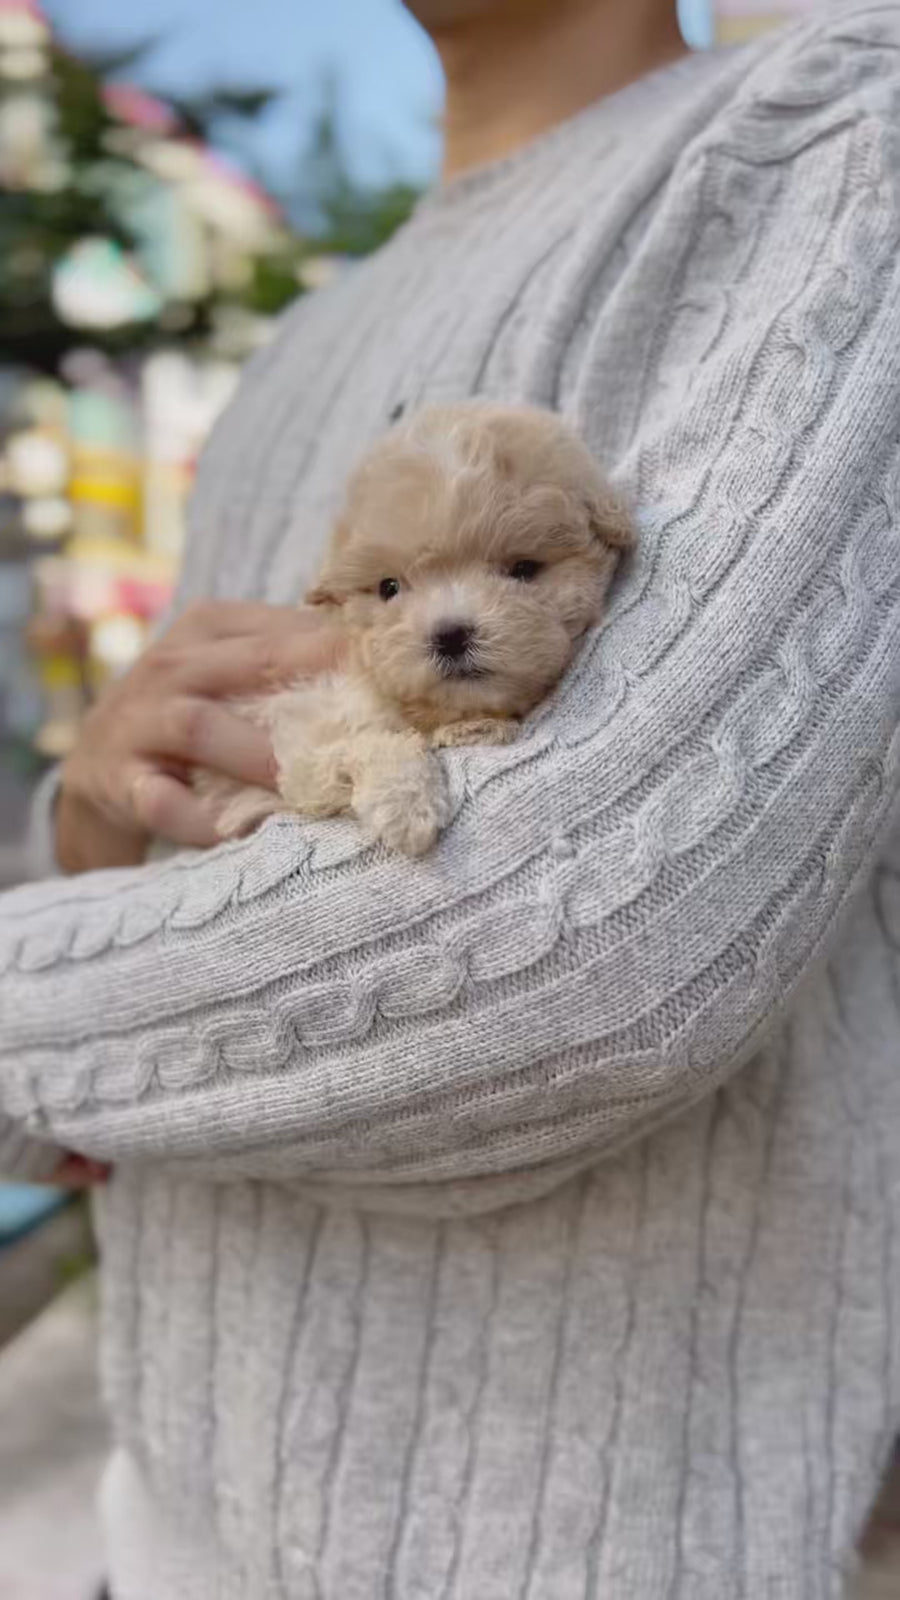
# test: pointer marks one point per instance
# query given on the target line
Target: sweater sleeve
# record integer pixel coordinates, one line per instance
(626, 900)
(21, 1157)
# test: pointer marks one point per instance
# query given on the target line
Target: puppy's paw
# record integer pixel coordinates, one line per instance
(486, 730)
(405, 808)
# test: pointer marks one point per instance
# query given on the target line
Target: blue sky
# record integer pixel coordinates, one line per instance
(386, 80)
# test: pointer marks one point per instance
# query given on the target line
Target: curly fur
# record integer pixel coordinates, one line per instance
(494, 525)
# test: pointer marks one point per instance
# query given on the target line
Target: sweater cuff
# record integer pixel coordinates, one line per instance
(40, 840)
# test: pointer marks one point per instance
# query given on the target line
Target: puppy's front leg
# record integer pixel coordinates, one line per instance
(484, 730)
(315, 780)
(399, 791)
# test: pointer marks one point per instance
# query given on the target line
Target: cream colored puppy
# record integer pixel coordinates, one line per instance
(475, 548)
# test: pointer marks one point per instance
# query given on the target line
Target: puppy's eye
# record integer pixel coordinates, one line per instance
(388, 588)
(525, 571)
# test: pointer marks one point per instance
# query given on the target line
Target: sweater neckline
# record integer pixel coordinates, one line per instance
(618, 110)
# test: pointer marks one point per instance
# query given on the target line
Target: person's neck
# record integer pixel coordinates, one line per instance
(513, 74)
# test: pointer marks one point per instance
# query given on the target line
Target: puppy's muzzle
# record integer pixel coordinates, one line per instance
(453, 648)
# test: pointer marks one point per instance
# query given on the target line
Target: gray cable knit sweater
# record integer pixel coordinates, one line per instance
(523, 1224)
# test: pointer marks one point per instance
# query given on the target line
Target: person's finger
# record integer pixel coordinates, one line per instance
(232, 619)
(79, 1172)
(258, 662)
(204, 733)
(170, 810)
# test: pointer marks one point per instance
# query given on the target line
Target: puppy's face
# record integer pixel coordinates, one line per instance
(476, 548)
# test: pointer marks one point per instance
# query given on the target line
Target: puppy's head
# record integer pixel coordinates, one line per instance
(476, 546)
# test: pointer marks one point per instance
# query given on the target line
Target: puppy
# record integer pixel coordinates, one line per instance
(475, 549)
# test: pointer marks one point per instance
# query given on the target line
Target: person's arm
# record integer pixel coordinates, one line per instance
(628, 899)
(124, 783)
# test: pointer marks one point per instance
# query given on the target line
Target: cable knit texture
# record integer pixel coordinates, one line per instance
(449, 1253)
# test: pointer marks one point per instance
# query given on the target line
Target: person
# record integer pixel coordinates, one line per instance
(524, 1222)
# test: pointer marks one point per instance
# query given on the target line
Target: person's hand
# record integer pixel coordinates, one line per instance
(125, 781)
(79, 1172)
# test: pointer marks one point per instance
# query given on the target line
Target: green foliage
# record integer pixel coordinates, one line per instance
(274, 281)
(352, 220)
(82, 118)
(358, 221)
(199, 114)
(39, 226)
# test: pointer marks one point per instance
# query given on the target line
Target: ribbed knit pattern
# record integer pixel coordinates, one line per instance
(409, 1292)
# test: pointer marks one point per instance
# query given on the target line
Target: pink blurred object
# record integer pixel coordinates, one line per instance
(137, 108)
(220, 165)
(142, 597)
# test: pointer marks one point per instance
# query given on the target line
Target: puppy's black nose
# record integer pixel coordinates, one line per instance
(451, 641)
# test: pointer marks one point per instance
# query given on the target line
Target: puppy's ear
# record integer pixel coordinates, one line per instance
(324, 594)
(610, 517)
(330, 591)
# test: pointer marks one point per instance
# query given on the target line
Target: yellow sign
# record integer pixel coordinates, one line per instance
(736, 21)
(119, 493)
